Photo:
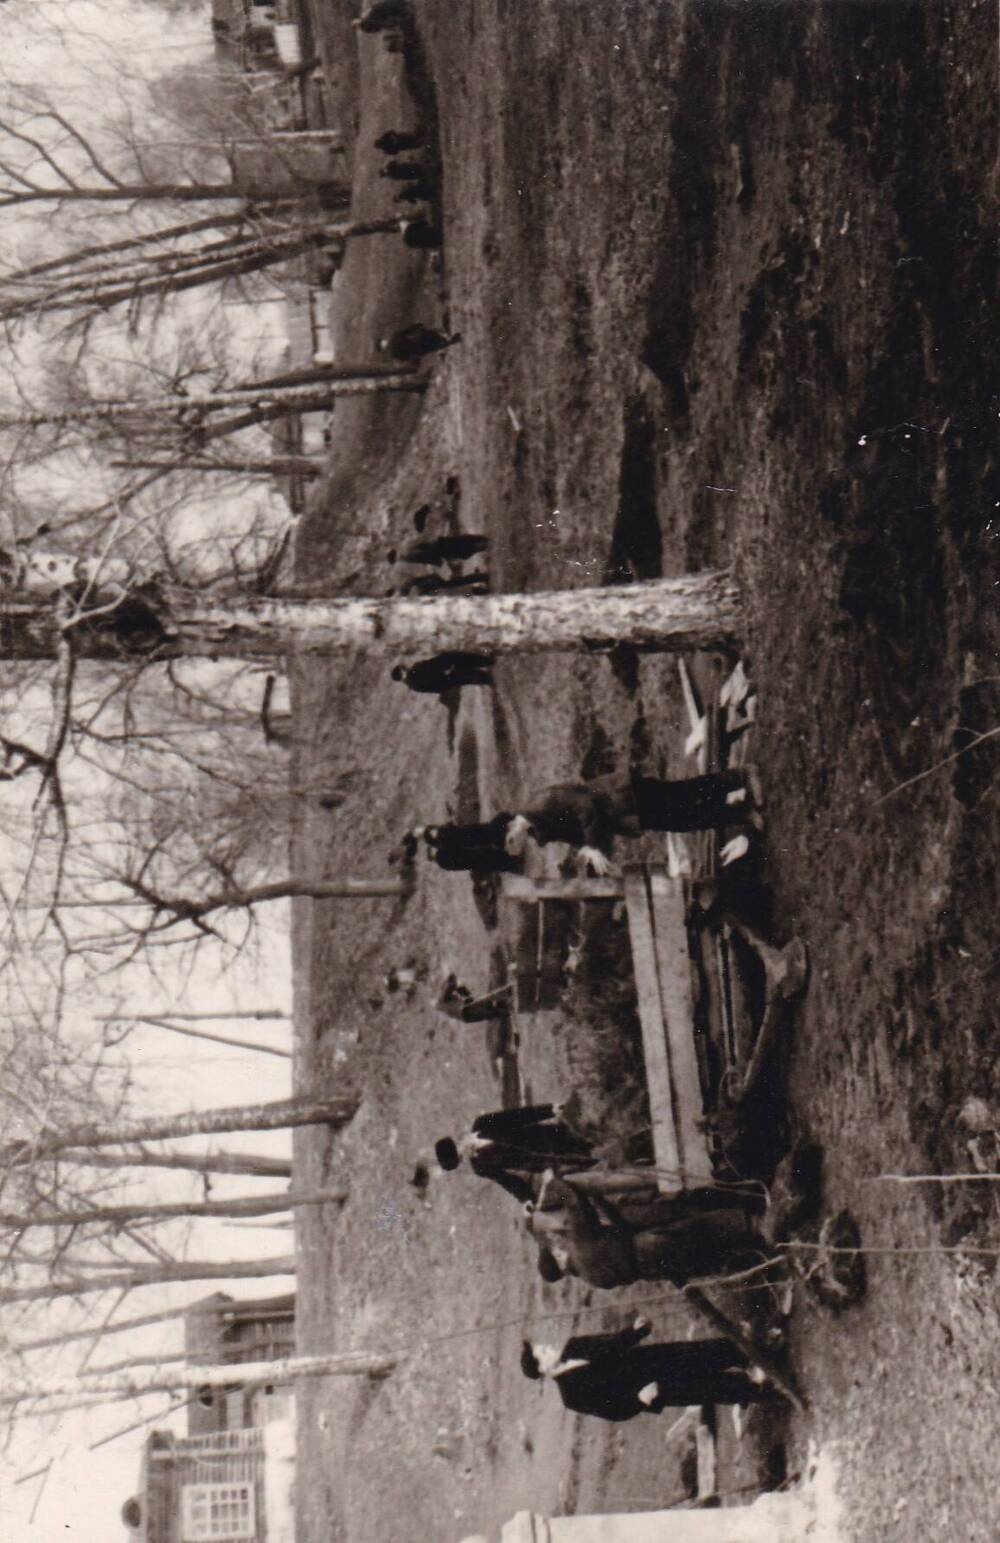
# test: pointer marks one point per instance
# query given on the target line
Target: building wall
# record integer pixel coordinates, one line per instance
(224, 1331)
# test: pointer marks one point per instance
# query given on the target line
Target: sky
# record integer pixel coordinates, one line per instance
(81, 1498)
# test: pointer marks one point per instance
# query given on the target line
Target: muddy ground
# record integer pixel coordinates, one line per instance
(725, 279)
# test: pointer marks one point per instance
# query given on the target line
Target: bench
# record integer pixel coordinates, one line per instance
(656, 906)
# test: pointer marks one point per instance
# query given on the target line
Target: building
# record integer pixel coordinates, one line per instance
(219, 1331)
(231, 1479)
(244, 32)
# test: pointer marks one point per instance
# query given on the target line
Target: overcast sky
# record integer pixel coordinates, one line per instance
(82, 1497)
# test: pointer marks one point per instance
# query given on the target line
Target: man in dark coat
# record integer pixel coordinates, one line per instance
(441, 549)
(446, 671)
(383, 13)
(616, 1376)
(475, 859)
(472, 848)
(654, 1237)
(416, 342)
(511, 1143)
(415, 193)
(588, 815)
(422, 235)
(395, 140)
(403, 171)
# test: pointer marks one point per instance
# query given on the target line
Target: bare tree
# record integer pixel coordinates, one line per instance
(154, 1211)
(275, 1116)
(111, 1326)
(85, 283)
(690, 612)
(350, 1363)
(136, 1275)
(48, 158)
(248, 1164)
(323, 392)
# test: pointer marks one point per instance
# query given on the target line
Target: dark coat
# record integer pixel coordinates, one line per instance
(395, 140)
(592, 813)
(422, 235)
(383, 13)
(618, 1367)
(441, 549)
(415, 193)
(416, 341)
(658, 1239)
(445, 671)
(474, 848)
(403, 171)
(525, 1140)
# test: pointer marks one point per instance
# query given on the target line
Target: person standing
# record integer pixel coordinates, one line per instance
(415, 342)
(614, 1242)
(616, 1377)
(472, 848)
(395, 140)
(445, 672)
(511, 1143)
(588, 815)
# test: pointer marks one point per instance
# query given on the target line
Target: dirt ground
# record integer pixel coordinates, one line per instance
(724, 274)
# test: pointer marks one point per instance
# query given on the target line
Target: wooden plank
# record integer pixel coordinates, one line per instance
(555, 923)
(526, 960)
(526, 890)
(666, 1146)
(756, 1354)
(673, 957)
(691, 703)
(707, 1469)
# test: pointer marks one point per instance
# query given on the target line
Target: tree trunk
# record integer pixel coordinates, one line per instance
(696, 611)
(349, 382)
(245, 1163)
(218, 1039)
(282, 889)
(151, 1275)
(272, 466)
(161, 192)
(185, 909)
(74, 259)
(109, 1368)
(348, 1363)
(257, 1014)
(115, 1215)
(188, 276)
(276, 1116)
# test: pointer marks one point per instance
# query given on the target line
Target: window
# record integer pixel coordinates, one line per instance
(217, 1511)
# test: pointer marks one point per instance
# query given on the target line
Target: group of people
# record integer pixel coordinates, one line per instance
(434, 553)
(453, 669)
(589, 815)
(583, 1226)
(534, 1153)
